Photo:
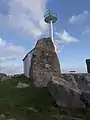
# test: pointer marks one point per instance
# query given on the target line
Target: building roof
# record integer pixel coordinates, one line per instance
(28, 53)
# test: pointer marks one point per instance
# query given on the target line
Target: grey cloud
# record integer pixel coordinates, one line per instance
(25, 16)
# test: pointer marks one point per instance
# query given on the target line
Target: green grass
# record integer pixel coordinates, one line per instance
(14, 101)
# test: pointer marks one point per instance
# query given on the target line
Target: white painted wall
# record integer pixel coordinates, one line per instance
(27, 64)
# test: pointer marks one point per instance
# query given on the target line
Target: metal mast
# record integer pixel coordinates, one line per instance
(50, 19)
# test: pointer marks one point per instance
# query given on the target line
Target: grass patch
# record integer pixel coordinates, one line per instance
(14, 102)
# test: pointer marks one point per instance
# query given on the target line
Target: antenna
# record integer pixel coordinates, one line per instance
(50, 19)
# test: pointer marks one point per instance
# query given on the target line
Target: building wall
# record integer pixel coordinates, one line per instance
(27, 64)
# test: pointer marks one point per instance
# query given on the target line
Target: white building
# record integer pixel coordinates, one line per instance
(27, 62)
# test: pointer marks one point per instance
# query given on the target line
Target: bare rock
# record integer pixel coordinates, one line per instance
(2, 75)
(2, 117)
(32, 109)
(4, 78)
(22, 85)
(44, 63)
(68, 89)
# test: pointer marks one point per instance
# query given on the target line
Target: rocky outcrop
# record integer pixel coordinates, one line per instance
(22, 85)
(5, 78)
(44, 63)
(71, 90)
(2, 75)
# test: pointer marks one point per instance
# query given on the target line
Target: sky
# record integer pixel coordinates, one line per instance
(22, 24)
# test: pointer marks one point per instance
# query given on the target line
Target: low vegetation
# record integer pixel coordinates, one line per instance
(32, 103)
(17, 103)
